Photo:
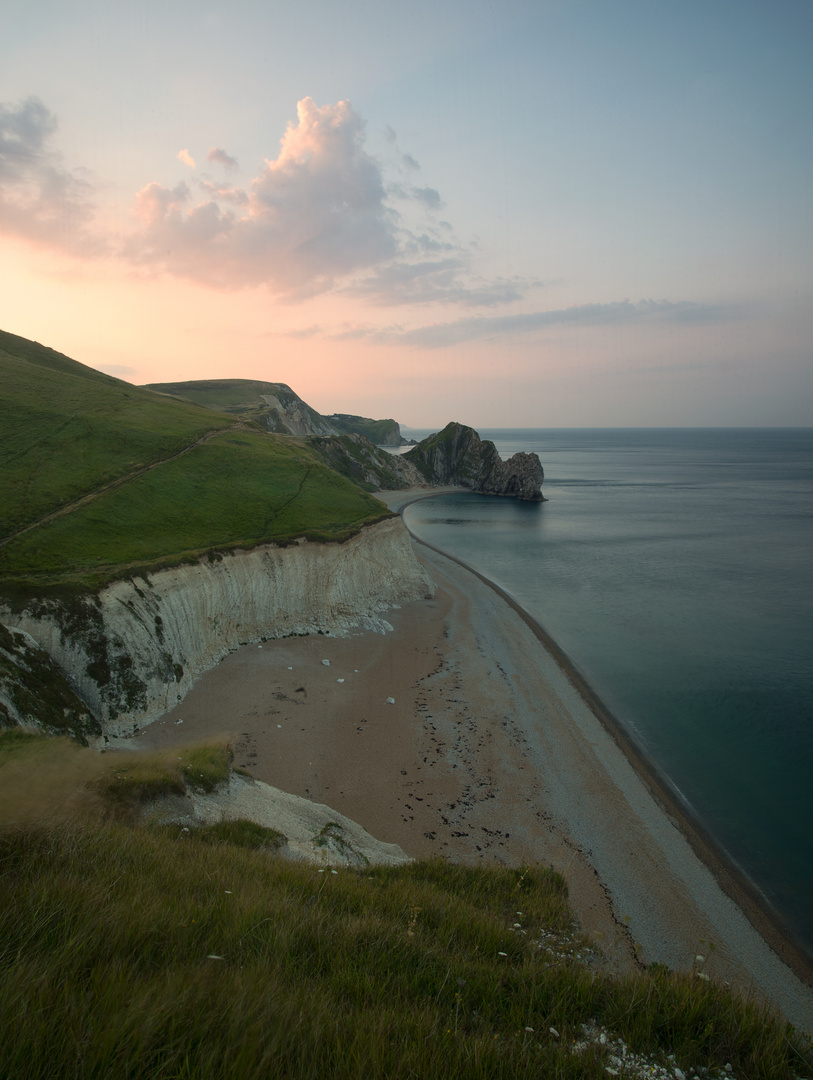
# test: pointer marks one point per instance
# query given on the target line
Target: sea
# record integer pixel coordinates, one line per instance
(675, 568)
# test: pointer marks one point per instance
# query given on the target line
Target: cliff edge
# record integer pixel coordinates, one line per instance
(133, 650)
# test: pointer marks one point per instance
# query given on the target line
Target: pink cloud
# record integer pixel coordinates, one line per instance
(317, 216)
(316, 212)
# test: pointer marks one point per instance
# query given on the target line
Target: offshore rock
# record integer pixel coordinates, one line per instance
(133, 650)
(457, 455)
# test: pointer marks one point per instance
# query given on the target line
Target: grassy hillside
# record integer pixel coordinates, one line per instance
(380, 432)
(66, 429)
(135, 951)
(226, 395)
(167, 479)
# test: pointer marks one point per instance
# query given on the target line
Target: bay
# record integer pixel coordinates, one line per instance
(675, 567)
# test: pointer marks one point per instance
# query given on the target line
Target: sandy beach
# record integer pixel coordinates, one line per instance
(462, 734)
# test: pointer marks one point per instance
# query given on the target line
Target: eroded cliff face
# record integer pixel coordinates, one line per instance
(457, 455)
(367, 465)
(134, 650)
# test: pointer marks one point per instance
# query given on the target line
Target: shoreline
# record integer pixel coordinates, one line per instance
(462, 734)
(733, 880)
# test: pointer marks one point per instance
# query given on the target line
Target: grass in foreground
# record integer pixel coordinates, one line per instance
(45, 779)
(135, 952)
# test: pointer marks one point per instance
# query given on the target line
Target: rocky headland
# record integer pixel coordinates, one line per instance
(457, 455)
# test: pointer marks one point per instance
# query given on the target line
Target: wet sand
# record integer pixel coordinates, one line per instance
(491, 752)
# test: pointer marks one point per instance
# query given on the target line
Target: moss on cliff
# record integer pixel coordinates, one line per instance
(33, 691)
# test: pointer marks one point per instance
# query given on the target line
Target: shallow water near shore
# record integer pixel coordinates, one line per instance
(675, 567)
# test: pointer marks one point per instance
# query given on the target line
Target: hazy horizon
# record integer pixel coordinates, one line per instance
(544, 214)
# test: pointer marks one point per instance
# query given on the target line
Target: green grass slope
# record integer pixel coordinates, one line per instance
(134, 951)
(99, 477)
(66, 429)
(226, 395)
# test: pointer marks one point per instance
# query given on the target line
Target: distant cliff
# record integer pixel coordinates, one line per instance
(366, 464)
(379, 432)
(275, 407)
(457, 455)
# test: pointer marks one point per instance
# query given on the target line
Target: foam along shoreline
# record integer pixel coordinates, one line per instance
(463, 734)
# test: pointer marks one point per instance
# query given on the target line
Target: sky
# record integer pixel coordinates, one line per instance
(531, 213)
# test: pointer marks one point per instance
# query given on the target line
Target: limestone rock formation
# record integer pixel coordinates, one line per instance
(312, 831)
(34, 693)
(133, 650)
(457, 455)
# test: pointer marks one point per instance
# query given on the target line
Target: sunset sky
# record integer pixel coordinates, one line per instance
(543, 213)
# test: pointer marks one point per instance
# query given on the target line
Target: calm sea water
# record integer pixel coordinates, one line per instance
(676, 569)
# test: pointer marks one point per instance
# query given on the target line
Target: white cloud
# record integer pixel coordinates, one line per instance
(186, 158)
(40, 199)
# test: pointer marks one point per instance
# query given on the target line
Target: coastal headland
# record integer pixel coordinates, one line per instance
(171, 571)
(461, 734)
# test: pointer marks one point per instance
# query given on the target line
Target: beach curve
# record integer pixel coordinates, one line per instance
(488, 750)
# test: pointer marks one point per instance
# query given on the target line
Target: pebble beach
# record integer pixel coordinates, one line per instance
(462, 734)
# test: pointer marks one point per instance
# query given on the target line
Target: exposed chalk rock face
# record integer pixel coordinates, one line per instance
(134, 650)
(313, 832)
(457, 455)
(286, 413)
(34, 693)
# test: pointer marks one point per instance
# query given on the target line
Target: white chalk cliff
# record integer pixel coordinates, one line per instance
(133, 650)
